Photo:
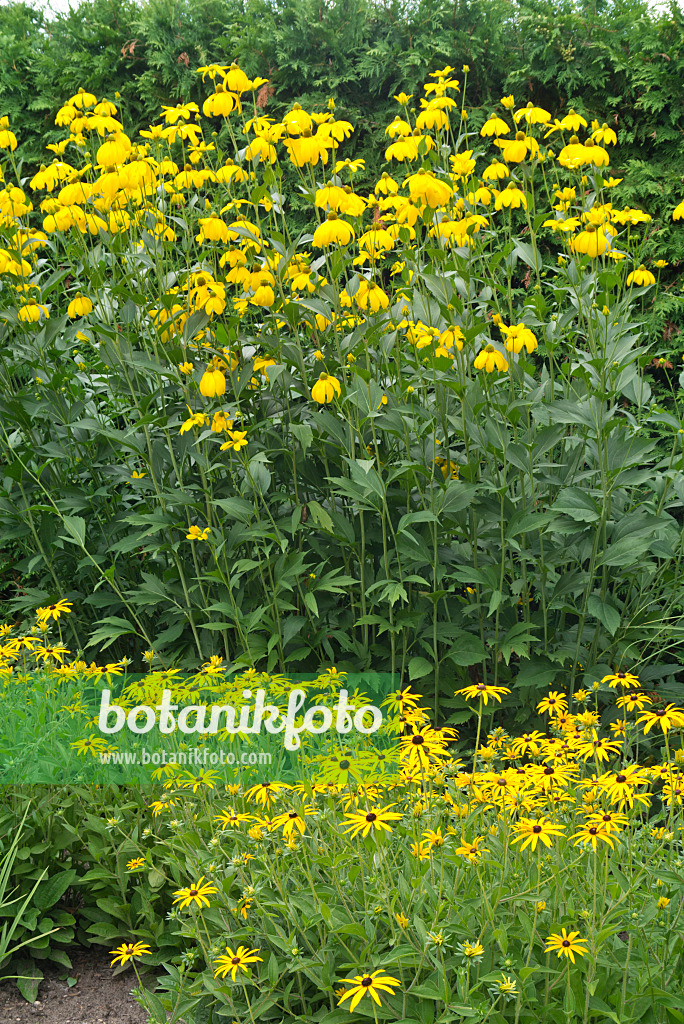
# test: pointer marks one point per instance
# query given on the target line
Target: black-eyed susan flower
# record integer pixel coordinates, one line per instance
(591, 834)
(376, 819)
(471, 851)
(623, 679)
(240, 959)
(532, 831)
(292, 819)
(94, 745)
(422, 746)
(231, 819)
(566, 944)
(127, 951)
(663, 718)
(368, 985)
(266, 793)
(195, 894)
(482, 691)
(135, 864)
(597, 747)
(555, 703)
(53, 611)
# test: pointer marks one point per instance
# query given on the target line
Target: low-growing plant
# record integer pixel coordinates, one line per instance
(524, 874)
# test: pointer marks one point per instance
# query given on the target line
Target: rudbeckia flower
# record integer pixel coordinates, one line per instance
(213, 382)
(332, 232)
(128, 950)
(641, 277)
(325, 389)
(566, 945)
(490, 359)
(591, 241)
(368, 985)
(80, 305)
(494, 125)
(230, 963)
(517, 337)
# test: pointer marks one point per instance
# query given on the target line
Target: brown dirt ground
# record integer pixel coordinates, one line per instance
(97, 998)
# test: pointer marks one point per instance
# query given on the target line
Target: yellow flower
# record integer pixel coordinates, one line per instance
(53, 611)
(663, 902)
(510, 197)
(483, 691)
(237, 440)
(368, 985)
(197, 419)
(325, 389)
(517, 336)
(31, 312)
(665, 718)
(534, 830)
(213, 382)
(197, 893)
(508, 102)
(373, 820)
(641, 277)
(332, 232)
(565, 945)
(490, 359)
(230, 963)
(555, 703)
(135, 475)
(494, 125)
(197, 534)
(426, 188)
(128, 950)
(591, 241)
(137, 862)
(80, 305)
(401, 919)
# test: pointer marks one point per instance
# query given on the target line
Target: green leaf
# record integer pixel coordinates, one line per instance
(577, 504)
(419, 667)
(76, 528)
(51, 890)
(320, 516)
(605, 613)
(29, 977)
